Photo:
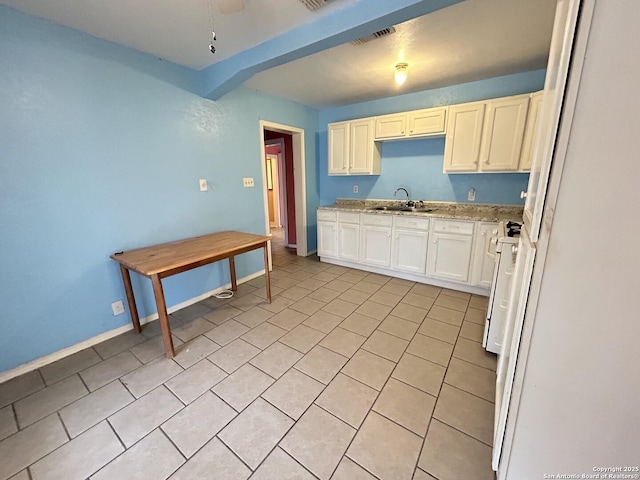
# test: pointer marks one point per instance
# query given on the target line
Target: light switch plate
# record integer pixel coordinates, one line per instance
(203, 185)
(472, 195)
(247, 182)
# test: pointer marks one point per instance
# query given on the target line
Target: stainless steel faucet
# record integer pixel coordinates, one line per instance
(404, 190)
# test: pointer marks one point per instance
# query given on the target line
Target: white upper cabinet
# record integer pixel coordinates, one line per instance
(464, 133)
(414, 124)
(502, 133)
(391, 126)
(530, 132)
(352, 150)
(338, 134)
(431, 121)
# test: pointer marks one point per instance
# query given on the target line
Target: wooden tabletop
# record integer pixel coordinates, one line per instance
(173, 257)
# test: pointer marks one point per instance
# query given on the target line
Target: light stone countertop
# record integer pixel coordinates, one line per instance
(461, 211)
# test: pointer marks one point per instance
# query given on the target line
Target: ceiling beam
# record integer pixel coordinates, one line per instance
(353, 21)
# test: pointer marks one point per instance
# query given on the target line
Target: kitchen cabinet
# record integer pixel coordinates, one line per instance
(464, 134)
(413, 124)
(449, 254)
(376, 240)
(431, 121)
(530, 132)
(391, 126)
(503, 133)
(351, 148)
(327, 234)
(410, 238)
(348, 236)
(484, 254)
(338, 134)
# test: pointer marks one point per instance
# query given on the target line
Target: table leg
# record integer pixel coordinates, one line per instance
(126, 279)
(162, 315)
(232, 270)
(266, 272)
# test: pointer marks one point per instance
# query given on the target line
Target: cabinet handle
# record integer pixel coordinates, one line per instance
(411, 131)
(523, 194)
(486, 162)
(484, 233)
(388, 235)
(495, 231)
(435, 241)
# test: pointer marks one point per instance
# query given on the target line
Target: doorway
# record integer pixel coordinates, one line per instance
(288, 177)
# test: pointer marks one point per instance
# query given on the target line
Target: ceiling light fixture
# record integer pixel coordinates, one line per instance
(401, 73)
(230, 6)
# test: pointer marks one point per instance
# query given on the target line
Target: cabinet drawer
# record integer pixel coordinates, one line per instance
(380, 220)
(453, 226)
(406, 221)
(327, 215)
(349, 217)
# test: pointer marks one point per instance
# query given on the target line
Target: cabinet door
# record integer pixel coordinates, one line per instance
(484, 255)
(376, 245)
(348, 236)
(530, 131)
(409, 250)
(427, 122)
(338, 151)
(449, 256)
(464, 132)
(391, 126)
(362, 148)
(327, 239)
(503, 132)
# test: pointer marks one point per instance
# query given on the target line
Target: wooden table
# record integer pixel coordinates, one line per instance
(160, 261)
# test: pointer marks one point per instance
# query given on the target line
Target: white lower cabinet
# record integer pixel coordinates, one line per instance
(327, 234)
(484, 254)
(409, 245)
(376, 240)
(348, 235)
(449, 255)
(445, 250)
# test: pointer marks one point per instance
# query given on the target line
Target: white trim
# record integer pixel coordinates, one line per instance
(409, 276)
(299, 181)
(65, 352)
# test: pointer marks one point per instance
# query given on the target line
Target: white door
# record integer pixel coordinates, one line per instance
(376, 245)
(552, 100)
(533, 121)
(427, 122)
(484, 255)
(511, 339)
(409, 251)
(361, 152)
(327, 239)
(348, 236)
(503, 132)
(464, 133)
(391, 126)
(338, 151)
(449, 256)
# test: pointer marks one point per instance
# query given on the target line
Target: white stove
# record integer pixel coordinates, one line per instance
(506, 241)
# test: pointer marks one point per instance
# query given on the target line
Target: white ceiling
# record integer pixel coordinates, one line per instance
(472, 40)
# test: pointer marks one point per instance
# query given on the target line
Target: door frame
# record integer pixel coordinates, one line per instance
(300, 191)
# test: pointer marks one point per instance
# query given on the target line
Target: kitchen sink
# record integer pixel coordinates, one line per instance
(402, 209)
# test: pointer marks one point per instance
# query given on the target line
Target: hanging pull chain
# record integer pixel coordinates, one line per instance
(212, 47)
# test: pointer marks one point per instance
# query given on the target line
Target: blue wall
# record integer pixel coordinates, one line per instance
(417, 164)
(101, 149)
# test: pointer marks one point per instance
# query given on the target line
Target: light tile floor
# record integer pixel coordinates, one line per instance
(346, 375)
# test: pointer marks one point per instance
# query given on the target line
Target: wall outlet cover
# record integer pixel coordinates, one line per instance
(472, 195)
(118, 307)
(355, 189)
(203, 185)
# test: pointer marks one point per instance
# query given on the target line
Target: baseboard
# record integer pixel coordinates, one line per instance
(65, 352)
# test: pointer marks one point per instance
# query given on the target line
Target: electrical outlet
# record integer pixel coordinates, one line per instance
(117, 307)
(355, 189)
(248, 182)
(203, 185)
(472, 195)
